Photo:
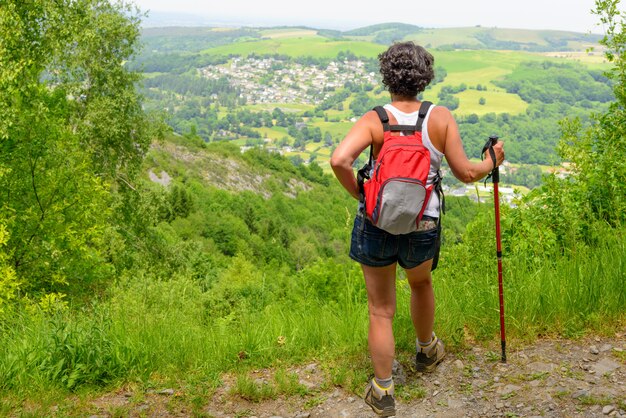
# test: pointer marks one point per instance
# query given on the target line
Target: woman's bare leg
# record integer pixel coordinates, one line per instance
(381, 296)
(422, 300)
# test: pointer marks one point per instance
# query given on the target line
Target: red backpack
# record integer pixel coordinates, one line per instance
(396, 193)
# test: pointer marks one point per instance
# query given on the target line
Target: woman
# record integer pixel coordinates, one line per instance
(406, 70)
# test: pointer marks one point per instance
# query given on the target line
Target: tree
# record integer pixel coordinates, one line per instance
(473, 118)
(598, 153)
(9, 283)
(328, 139)
(595, 190)
(72, 132)
(482, 101)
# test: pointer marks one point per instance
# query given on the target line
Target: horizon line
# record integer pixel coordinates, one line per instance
(191, 20)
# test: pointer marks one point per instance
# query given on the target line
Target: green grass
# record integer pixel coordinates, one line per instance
(164, 327)
(496, 102)
(314, 46)
(336, 129)
(246, 388)
(285, 107)
(463, 61)
(275, 132)
(448, 36)
(287, 33)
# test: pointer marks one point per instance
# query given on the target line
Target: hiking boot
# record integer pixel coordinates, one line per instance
(380, 400)
(430, 356)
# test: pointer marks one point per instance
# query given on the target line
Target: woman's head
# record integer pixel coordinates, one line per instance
(406, 69)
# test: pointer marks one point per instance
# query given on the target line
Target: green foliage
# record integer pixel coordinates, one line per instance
(556, 90)
(530, 138)
(71, 128)
(528, 176)
(194, 39)
(362, 103)
(549, 82)
(62, 350)
(597, 184)
(9, 284)
(460, 211)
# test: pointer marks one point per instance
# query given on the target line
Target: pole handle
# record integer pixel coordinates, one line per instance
(495, 173)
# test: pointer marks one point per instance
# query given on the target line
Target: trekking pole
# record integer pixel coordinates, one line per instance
(495, 176)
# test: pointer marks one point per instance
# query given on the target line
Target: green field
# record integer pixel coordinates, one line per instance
(470, 67)
(287, 33)
(439, 37)
(275, 132)
(336, 129)
(314, 46)
(285, 107)
(496, 102)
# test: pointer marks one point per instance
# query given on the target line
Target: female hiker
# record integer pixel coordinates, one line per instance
(406, 70)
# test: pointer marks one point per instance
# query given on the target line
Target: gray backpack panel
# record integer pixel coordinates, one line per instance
(400, 205)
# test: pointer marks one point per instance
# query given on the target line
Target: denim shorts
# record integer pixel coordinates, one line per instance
(377, 248)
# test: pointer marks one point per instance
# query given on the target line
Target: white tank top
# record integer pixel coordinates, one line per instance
(432, 209)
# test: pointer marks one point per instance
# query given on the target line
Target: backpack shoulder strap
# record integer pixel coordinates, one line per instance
(422, 115)
(384, 118)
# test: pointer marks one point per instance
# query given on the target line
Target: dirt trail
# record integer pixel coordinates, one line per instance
(551, 378)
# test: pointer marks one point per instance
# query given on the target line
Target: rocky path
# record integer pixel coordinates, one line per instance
(550, 378)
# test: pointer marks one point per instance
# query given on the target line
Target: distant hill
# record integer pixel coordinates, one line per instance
(476, 37)
(196, 39)
(504, 39)
(385, 33)
(374, 29)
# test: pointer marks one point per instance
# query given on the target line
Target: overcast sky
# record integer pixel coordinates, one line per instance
(572, 15)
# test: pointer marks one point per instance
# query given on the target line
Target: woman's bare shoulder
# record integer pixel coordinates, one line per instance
(439, 120)
(440, 114)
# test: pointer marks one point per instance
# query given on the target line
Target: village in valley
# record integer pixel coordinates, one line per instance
(271, 80)
(280, 81)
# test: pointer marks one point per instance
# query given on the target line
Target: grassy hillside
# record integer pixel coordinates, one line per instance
(194, 39)
(500, 38)
(299, 45)
(229, 279)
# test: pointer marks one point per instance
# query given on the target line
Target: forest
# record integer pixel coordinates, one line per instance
(232, 261)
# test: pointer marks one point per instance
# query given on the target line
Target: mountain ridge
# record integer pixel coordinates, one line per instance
(471, 38)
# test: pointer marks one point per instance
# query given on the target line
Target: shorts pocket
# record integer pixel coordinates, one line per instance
(422, 246)
(368, 242)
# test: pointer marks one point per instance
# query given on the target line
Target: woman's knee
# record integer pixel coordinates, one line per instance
(421, 281)
(420, 276)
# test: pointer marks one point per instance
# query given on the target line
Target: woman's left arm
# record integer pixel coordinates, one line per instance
(359, 138)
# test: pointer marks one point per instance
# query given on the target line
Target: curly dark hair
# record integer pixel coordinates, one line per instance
(406, 69)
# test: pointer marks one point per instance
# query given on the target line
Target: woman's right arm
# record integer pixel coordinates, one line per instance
(358, 139)
(462, 168)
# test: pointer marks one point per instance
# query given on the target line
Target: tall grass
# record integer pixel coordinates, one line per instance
(167, 327)
(568, 295)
